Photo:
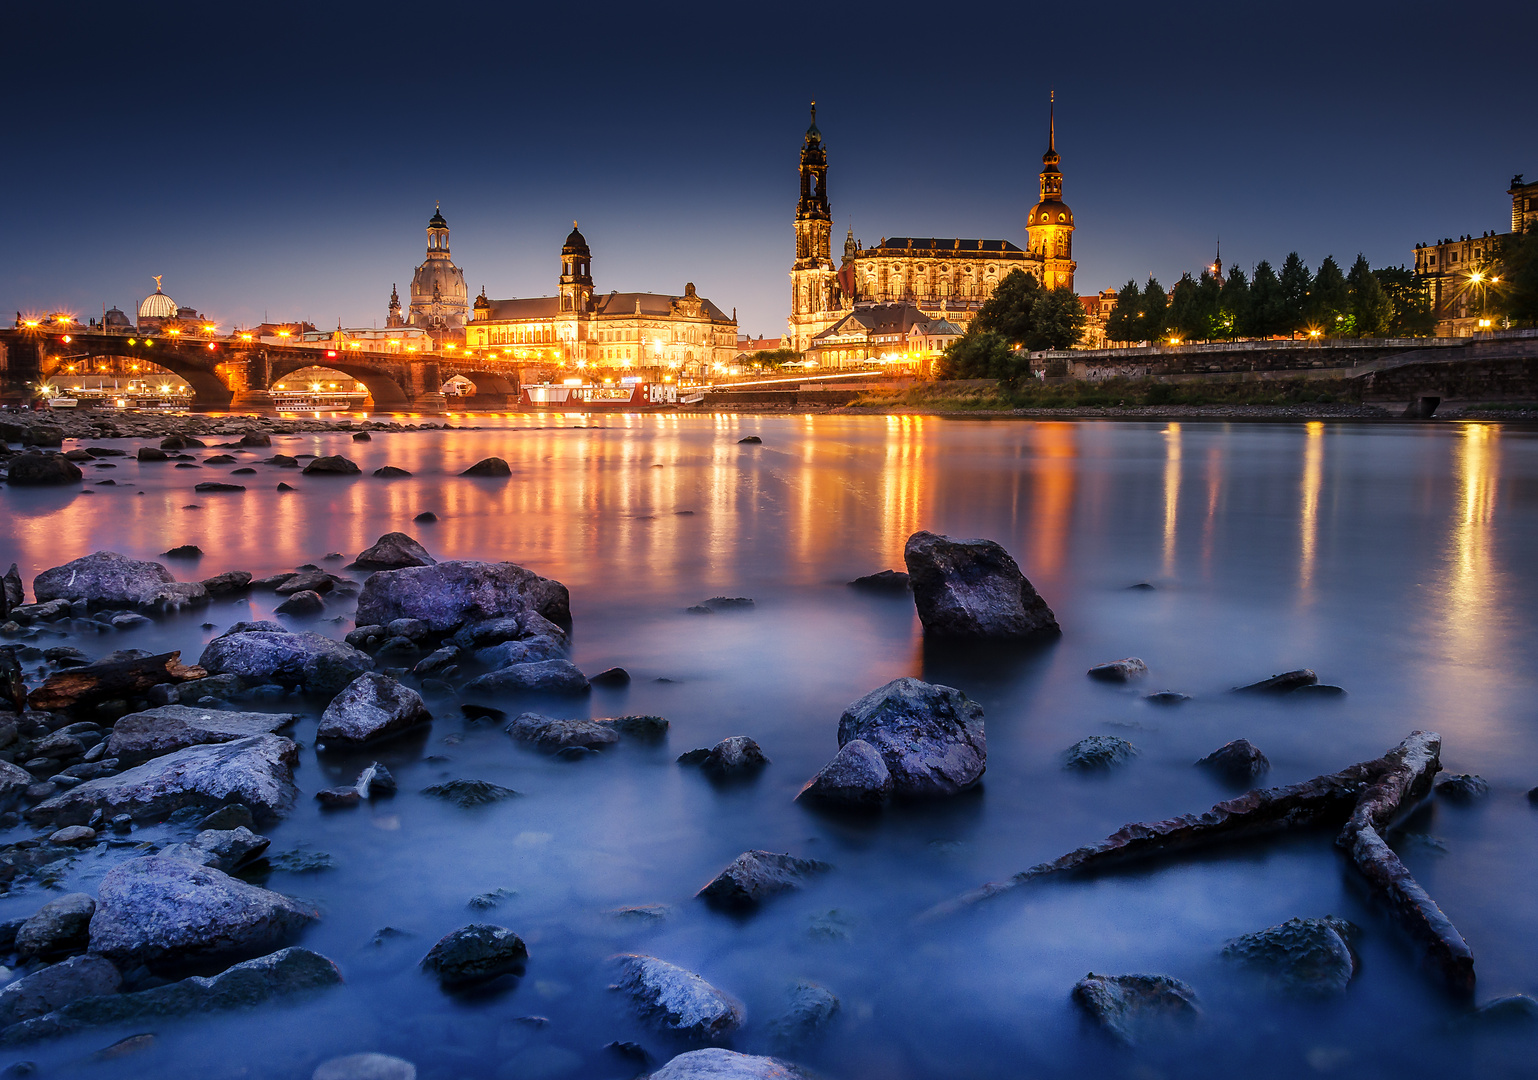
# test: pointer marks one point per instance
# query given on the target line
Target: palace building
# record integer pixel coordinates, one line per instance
(615, 333)
(947, 279)
(1456, 274)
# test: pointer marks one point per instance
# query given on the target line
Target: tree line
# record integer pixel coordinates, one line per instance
(1021, 314)
(1387, 302)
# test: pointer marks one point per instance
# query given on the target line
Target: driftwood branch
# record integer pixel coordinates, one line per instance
(1364, 798)
(102, 682)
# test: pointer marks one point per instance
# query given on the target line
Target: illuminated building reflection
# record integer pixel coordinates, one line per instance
(1171, 494)
(1308, 515)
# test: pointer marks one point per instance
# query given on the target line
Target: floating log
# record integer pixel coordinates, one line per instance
(1364, 798)
(102, 682)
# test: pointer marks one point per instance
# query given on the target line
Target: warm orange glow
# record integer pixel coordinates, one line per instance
(173, 331)
(31, 324)
(209, 329)
(245, 337)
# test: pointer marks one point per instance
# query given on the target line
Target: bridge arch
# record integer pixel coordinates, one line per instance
(210, 391)
(388, 394)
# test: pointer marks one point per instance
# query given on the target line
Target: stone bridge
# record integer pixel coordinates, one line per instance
(229, 375)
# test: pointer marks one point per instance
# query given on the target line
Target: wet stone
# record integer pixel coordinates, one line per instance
(1098, 753)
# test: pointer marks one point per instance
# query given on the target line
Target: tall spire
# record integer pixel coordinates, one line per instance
(1052, 123)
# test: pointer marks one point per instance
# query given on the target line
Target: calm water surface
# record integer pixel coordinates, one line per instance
(1397, 561)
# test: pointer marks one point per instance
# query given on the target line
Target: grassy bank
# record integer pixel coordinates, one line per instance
(1113, 393)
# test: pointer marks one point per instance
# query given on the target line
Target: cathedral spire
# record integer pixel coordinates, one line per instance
(1052, 122)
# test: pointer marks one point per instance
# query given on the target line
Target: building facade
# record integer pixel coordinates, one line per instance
(1458, 273)
(943, 278)
(606, 334)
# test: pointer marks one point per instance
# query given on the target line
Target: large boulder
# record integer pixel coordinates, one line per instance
(551, 733)
(57, 928)
(475, 953)
(754, 876)
(539, 677)
(258, 772)
(677, 1000)
(283, 974)
(317, 663)
(972, 589)
(1312, 957)
(372, 706)
(931, 737)
(332, 465)
(108, 579)
(36, 470)
(714, 1063)
(57, 985)
(450, 594)
(140, 736)
(1123, 1006)
(393, 551)
(166, 912)
(856, 777)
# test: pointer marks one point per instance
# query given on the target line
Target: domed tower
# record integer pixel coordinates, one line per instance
(439, 275)
(813, 277)
(576, 272)
(155, 309)
(1049, 228)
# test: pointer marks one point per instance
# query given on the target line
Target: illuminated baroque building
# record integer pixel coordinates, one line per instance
(440, 302)
(1456, 273)
(613, 332)
(942, 278)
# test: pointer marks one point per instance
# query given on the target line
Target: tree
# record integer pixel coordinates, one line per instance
(982, 354)
(1209, 305)
(1234, 304)
(1185, 321)
(1008, 310)
(1122, 323)
(1330, 301)
(1515, 294)
(1057, 319)
(1413, 315)
(1295, 283)
(1371, 309)
(1267, 315)
(1153, 311)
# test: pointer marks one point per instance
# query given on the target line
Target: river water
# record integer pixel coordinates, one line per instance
(1396, 560)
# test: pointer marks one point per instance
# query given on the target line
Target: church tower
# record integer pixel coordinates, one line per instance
(814, 295)
(576, 273)
(393, 317)
(439, 298)
(1049, 228)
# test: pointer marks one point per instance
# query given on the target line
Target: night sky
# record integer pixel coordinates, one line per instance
(283, 160)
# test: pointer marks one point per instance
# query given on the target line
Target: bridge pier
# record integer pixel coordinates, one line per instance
(258, 402)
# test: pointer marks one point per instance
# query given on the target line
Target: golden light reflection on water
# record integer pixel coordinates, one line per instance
(1471, 596)
(902, 481)
(1308, 515)
(1049, 506)
(1171, 494)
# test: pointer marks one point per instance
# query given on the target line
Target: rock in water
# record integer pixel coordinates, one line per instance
(542, 676)
(258, 772)
(1099, 752)
(140, 736)
(614, 676)
(372, 706)
(1119, 671)
(809, 1011)
(107, 579)
(469, 793)
(38, 470)
(1276, 685)
(1306, 956)
(475, 953)
(972, 589)
(303, 602)
(59, 927)
(316, 663)
(285, 973)
(222, 849)
(931, 737)
(392, 551)
(678, 1001)
(333, 465)
(227, 584)
(450, 594)
(165, 912)
(44, 991)
(650, 728)
(1123, 1005)
(856, 777)
(884, 581)
(492, 466)
(714, 1063)
(754, 876)
(1461, 787)
(736, 756)
(549, 733)
(365, 1067)
(526, 651)
(1239, 761)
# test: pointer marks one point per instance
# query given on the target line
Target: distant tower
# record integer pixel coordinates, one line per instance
(438, 282)
(813, 277)
(394, 317)
(576, 272)
(482, 308)
(1049, 228)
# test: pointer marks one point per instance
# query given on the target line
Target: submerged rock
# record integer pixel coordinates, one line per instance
(312, 661)
(492, 466)
(808, 1012)
(857, 776)
(714, 1063)
(735, 756)
(677, 1000)
(392, 551)
(57, 985)
(57, 928)
(285, 973)
(1167, 697)
(614, 676)
(365, 1066)
(303, 602)
(1124, 1005)
(549, 733)
(973, 589)
(541, 676)
(372, 706)
(650, 728)
(1461, 787)
(164, 912)
(884, 581)
(140, 736)
(1276, 685)
(450, 594)
(39, 470)
(469, 793)
(258, 772)
(1306, 956)
(930, 737)
(1099, 752)
(332, 465)
(475, 953)
(108, 579)
(1119, 671)
(754, 876)
(1239, 761)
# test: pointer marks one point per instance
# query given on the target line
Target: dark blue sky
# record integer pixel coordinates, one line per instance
(284, 158)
